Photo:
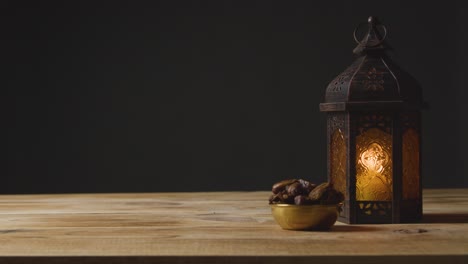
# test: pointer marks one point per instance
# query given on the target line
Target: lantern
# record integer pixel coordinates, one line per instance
(373, 133)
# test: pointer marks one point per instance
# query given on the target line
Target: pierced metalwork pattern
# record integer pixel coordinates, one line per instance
(336, 121)
(374, 80)
(374, 166)
(338, 88)
(410, 120)
(384, 122)
(411, 171)
(375, 208)
(338, 161)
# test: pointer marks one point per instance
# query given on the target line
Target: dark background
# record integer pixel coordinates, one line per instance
(207, 95)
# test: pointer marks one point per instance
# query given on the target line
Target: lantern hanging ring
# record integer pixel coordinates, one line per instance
(374, 45)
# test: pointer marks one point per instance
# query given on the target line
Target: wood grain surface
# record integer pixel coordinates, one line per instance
(217, 227)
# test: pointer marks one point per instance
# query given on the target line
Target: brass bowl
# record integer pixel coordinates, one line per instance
(305, 217)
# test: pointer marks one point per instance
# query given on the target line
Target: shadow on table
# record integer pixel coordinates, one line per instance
(445, 218)
(353, 228)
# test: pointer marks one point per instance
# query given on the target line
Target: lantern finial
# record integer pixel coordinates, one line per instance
(372, 20)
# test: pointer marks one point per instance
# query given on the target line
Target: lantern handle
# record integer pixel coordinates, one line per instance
(371, 25)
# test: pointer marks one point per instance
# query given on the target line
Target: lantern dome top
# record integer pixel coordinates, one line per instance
(373, 81)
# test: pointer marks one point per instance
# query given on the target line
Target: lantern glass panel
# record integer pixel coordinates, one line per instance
(410, 157)
(374, 165)
(338, 161)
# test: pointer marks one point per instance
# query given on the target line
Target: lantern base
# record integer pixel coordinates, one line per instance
(381, 212)
(402, 221)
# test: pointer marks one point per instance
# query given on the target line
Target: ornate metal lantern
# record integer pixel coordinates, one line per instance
(373, 133)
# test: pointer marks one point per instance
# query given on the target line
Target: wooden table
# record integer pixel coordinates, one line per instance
(219, 227)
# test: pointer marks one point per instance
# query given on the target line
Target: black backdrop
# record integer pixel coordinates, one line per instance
(206, 95)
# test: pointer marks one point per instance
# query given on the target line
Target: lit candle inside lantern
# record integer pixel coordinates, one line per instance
(374, 166)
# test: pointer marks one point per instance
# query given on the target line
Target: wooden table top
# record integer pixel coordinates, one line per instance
(217, 227)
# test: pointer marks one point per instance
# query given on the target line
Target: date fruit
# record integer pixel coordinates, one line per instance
(302, 192)
(326, 194)
(280, 186)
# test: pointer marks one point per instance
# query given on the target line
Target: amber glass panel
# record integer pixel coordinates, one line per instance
(338, 161)
(410, 164)
(374, 166)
